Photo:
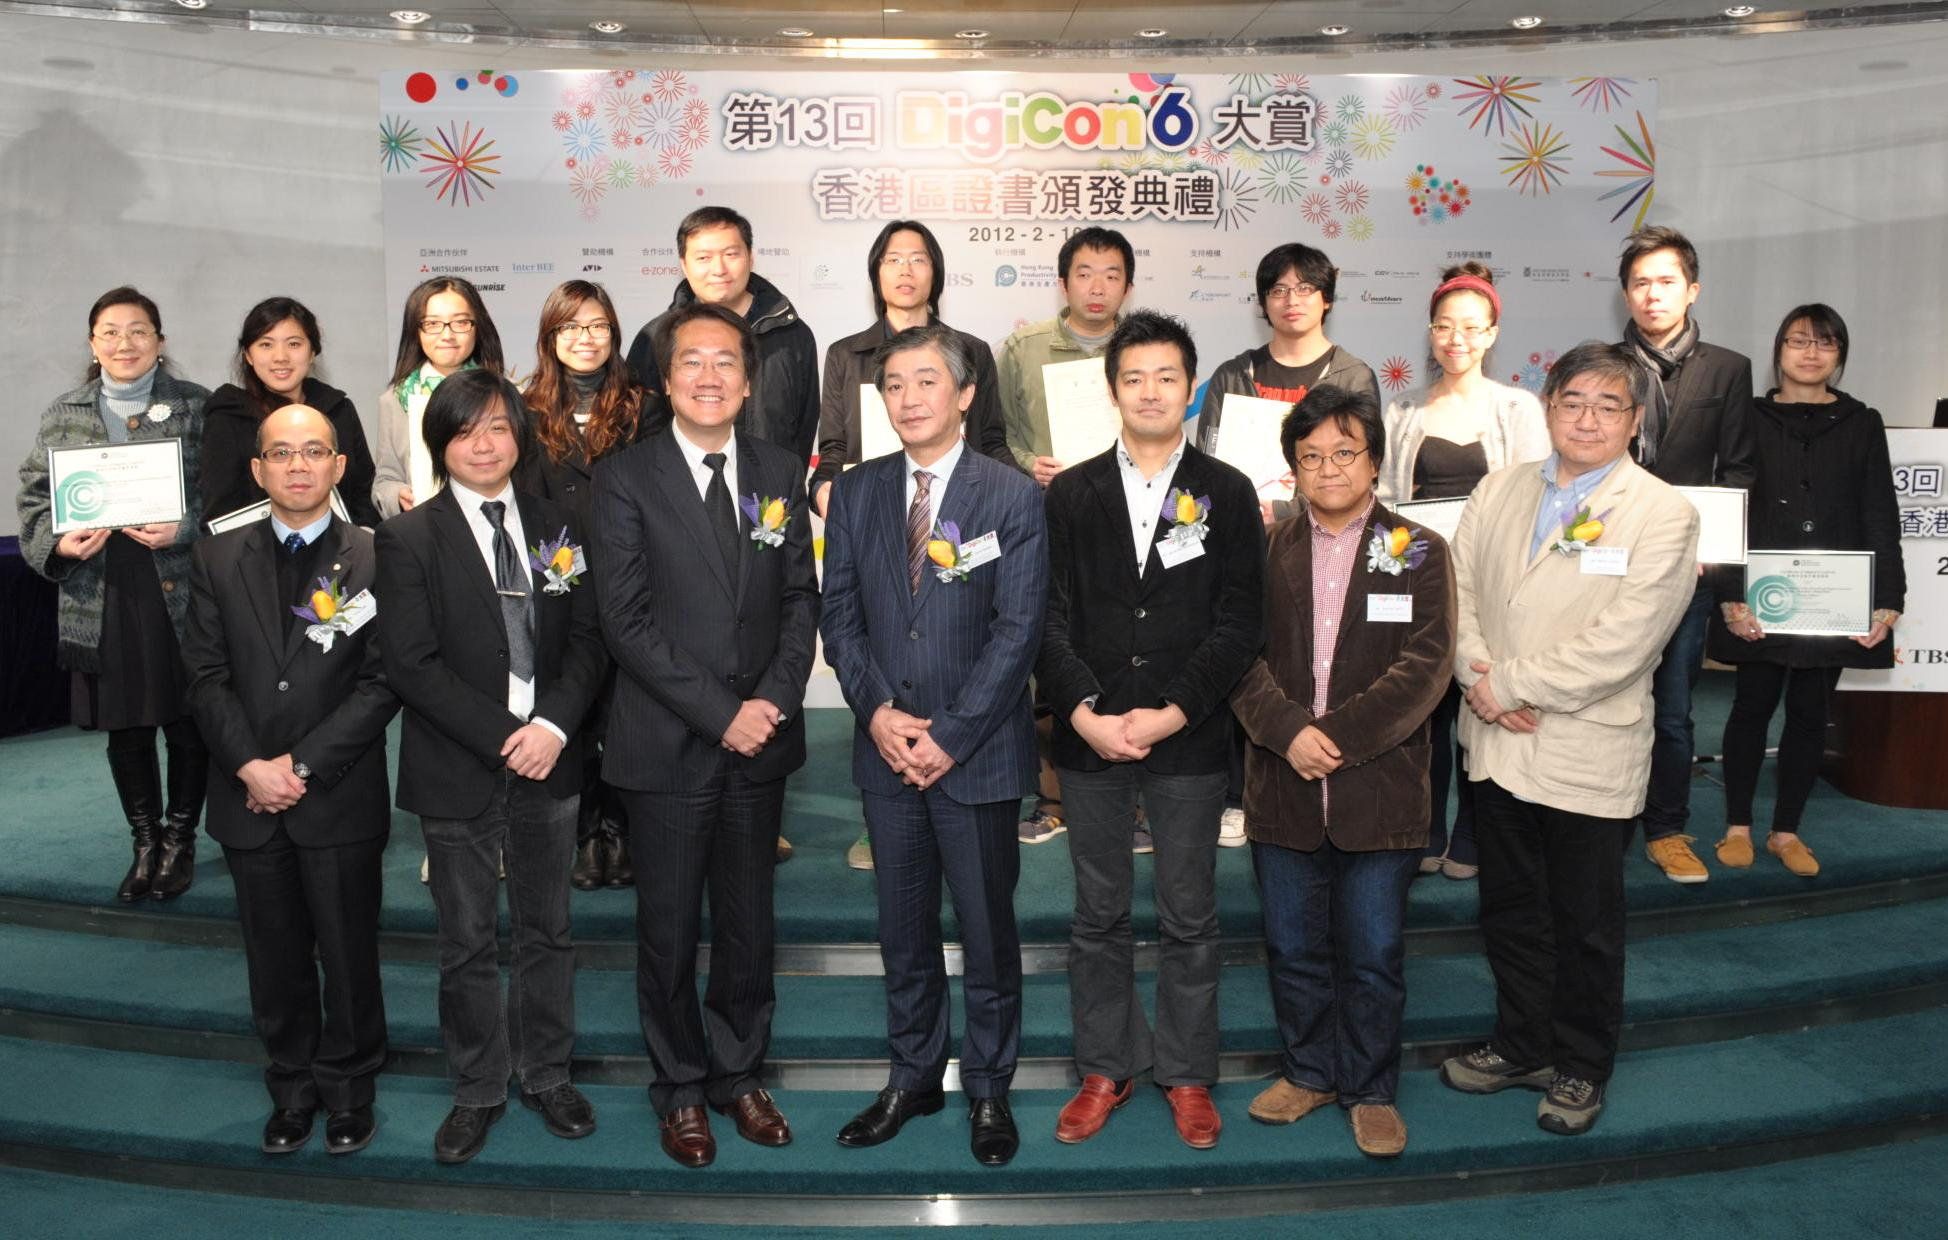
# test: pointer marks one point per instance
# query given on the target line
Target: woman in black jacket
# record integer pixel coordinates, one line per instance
(1824, 482)
(276, 350)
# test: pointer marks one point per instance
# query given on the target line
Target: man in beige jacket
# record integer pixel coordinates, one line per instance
(1570, 577)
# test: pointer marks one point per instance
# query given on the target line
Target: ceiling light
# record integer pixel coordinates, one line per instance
(971, 33)
(1333, 32)
(412, 17)
(1152, 32)
(892, 10)
(1526, 23)
(1740, 10)
(194, 4)
(607, 27)
(795, 32)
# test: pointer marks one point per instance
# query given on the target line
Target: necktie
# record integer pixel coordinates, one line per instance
(717, 508)
(919, 524)
(294, 542)
(511, 582)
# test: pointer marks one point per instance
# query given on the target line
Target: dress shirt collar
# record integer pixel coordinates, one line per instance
(941, 469)
(470, 500)
(693, 455)
(1129, 465)
(309, 533)
(1356, 523)
(1583, 483)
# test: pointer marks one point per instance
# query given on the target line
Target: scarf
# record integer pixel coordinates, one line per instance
(1660, 364)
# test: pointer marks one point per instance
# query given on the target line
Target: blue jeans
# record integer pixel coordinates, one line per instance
(1335, 932)
(1667, 803)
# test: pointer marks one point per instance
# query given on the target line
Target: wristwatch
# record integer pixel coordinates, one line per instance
(301, 770)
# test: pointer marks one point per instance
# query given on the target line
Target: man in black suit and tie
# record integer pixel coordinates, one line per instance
(1155, 609)
(706, 720)
(497, 655)
(936, 568)
(296, 730)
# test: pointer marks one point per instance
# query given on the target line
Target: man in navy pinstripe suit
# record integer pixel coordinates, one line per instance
(936, 568)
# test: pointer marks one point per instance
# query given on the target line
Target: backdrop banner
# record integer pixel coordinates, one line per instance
(1920, 459)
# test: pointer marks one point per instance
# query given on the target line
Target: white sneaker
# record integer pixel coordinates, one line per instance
(1231, 829)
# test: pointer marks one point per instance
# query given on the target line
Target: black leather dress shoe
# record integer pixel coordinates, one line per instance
(882, 1121)
(288, 1128)
(616, 870)
(567, 1113)
(348, 1132)
(587, 873)
(464, 1132)
(994, 1139)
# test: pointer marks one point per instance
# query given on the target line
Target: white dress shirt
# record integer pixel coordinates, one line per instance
(693, 457)
(309, 533)
(520, 693)
(1145, 496)
(941, 470)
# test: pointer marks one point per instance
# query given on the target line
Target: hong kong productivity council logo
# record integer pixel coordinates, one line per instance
(1005, 276)
(1773, 599)
(80, 498)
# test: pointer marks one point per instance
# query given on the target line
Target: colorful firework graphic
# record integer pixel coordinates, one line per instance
(675, 163)
(697, 110)
(655, 117)
(1247, 159)
(1349, 108)
(669, 84)
(1534, 163)
(1237, 201)
(1491, 101)
(1435, 199)
(694, 135)
(623, 108)
(1535, 372)
(1638, 172)
(1339, 162)
(1601, 94)
(1360, 228)
(622, 174)
(1330, 230)
(1283, 177)
(562, 120)
(1351, 196)
(460, 164)
(663, 126)
(1316, 208)
(584, 140)
(1252, 84)
(399, 144)
(1406, 106)
(1396, 373)
(1373, 137)
(1333, 133)
(589, 182)
(1209, 155)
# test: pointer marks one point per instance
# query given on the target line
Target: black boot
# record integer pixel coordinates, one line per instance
(138, 782)
(189, 778)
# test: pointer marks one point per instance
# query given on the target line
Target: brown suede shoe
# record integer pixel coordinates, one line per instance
(686, 1137)
(1735, 852)
(1797, 857)
(1285, 1103)
(1378, 1130)
(758, 1119)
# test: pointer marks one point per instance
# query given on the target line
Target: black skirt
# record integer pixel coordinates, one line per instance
(141, 681)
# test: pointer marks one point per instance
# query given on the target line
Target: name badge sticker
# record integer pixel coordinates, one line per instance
(1389, 608)
(1604, 561)
(361, 609)
(979, 551)
(1172, 552)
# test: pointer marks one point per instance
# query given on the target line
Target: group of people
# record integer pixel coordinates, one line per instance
(595, 601)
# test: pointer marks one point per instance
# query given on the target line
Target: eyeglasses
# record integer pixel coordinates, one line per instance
(594, 331)
(915, 262)
(1825, 344)
(1290, 292)
(137, 336)
(1467, 332)
(1312, 462)
(1606, 414)
(439, 327)
(315, 453)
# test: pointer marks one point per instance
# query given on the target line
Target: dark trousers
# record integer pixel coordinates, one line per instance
(721, 838)
(1552, 922)
(307, 911)
(1667, 801)
(1112, 1034)
(532, 1033)
(1802, 742)
(917, 837)
(1335, 933)
(1447, 760)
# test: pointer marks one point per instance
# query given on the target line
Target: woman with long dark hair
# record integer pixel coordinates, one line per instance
(1824, 482)
(445, 328)
(277, 352)
(125, 593)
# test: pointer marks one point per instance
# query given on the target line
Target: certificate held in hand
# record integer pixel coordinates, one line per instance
(110, 486)
(1247, 440)
(1083, 420)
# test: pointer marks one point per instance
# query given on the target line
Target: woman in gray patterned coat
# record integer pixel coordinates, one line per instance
(125, 593)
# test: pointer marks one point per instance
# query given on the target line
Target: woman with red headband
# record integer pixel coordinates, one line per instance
(1441, 441)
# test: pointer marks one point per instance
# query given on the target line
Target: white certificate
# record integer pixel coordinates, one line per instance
(1721, 523)
(108, 486)
(259, 511)
(1825, 593)
(876, 434)
(1082, 417)
(1247, 440)
(1443, 516)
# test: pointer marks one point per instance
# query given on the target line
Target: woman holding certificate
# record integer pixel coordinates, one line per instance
(1441, 441)
(445, 328)
(276, 352)
(1824, 483)
(111, 525)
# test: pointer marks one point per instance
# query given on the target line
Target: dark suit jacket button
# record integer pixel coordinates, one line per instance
(1140, 613)
(1806, 526)
(1137, 660)
(283, 686)
(913, 635)
(906, 684)
(168, 587)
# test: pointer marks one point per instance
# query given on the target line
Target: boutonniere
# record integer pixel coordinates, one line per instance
(1189, 515)
(1395, 551)
(560, 561)
(768, 517)
(160, 411)
(1580, 531)
(945, 550)
(327, 613)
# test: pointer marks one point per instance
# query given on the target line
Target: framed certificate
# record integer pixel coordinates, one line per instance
(1721, 523)
(1247, 440)
(1443, 516)
(259, 511)
(1082, 417)
(1812, 593)
(108, 486)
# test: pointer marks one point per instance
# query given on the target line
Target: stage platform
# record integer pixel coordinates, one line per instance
(1769, 1018)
